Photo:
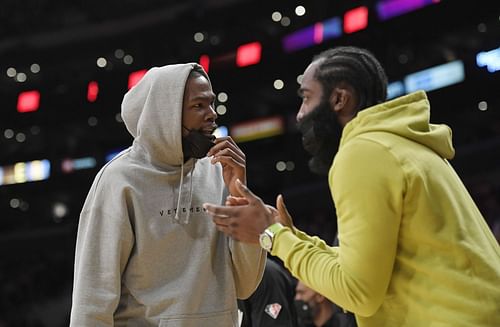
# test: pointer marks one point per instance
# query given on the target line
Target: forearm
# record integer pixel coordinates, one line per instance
(248, 262)
(320, 268)
(316, 241)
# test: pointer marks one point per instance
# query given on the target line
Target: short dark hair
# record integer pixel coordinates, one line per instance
(197, 71)
(355, 66)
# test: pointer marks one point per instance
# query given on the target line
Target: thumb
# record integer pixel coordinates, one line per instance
(245, 191)
(284, 215)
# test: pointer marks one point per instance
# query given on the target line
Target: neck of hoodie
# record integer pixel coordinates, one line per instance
(407, 116)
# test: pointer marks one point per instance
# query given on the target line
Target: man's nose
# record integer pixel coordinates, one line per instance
(212, 114)
(300, 114)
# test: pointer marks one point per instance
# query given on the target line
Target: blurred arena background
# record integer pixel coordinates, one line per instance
(65, 66)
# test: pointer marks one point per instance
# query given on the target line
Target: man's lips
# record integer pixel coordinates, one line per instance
(209, 130)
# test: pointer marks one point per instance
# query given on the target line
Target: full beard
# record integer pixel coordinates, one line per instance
(321, 133)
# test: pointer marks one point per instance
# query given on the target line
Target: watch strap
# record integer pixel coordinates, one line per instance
(274, 228)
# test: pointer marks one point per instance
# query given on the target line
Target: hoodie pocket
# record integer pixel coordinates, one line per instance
(216, 319)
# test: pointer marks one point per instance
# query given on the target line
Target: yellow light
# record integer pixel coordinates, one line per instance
(20, 172)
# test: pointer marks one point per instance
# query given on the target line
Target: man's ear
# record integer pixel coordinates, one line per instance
(339, 98)
(318, 298)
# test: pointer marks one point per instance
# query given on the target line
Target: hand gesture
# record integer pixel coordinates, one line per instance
(233, 162)
(243, 222)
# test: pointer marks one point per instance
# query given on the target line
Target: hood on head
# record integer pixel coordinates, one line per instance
(152, 112)
(407, 116)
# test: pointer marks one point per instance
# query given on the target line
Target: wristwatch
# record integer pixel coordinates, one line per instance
(267, 237)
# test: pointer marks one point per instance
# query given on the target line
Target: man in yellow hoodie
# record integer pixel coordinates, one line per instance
(413, 248)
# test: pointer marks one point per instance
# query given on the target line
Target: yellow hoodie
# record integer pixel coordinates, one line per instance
(414, 249)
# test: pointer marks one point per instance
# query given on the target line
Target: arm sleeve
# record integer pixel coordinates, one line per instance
(368, 195)
(104, 243)
(248, 267)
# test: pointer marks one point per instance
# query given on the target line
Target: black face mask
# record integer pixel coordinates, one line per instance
(304, 314)
(321, 134)
(196, 144)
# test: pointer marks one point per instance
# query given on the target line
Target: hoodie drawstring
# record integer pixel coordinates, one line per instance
(180, 194)
(178, 207)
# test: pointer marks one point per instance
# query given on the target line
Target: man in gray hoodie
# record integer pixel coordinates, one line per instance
(146, 252)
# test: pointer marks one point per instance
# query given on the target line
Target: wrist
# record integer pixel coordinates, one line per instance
(266, 238)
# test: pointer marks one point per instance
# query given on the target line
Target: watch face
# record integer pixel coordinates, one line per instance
(265, 241)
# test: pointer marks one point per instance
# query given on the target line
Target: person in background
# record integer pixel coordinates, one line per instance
(414, 250)
(146, 252)
(315, 310)
(272, 303)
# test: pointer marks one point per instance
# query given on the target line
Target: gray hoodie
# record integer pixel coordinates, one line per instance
(147, 254)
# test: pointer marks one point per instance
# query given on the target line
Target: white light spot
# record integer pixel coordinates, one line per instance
(102, 62)
(482, 28)
(278, 84)
(11, 72)
(14, 203)
(280, 166)
(199, 37)
(20, 137)
(285, 21)
(299, 78)
(59, 210)
(221, 109)
(128, 59)
(119, 53)
(300, 11)
(35, 68)
(222, 97)
(276, 16)
(21, 77)
(8, 133)
(483, 105)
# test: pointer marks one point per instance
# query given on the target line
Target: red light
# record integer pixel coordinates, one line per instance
(92, 91)
(248, 54)
(28, 101)
(355, 19)
(205, 62)
(135, 77)
(318, 33)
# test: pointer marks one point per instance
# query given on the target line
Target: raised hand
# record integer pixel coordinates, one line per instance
(283, 216)
(243, 222)
(233, 162)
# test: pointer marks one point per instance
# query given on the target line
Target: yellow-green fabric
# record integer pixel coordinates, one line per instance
(414, 249)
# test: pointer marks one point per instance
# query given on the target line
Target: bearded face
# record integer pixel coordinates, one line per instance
(321, 133)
